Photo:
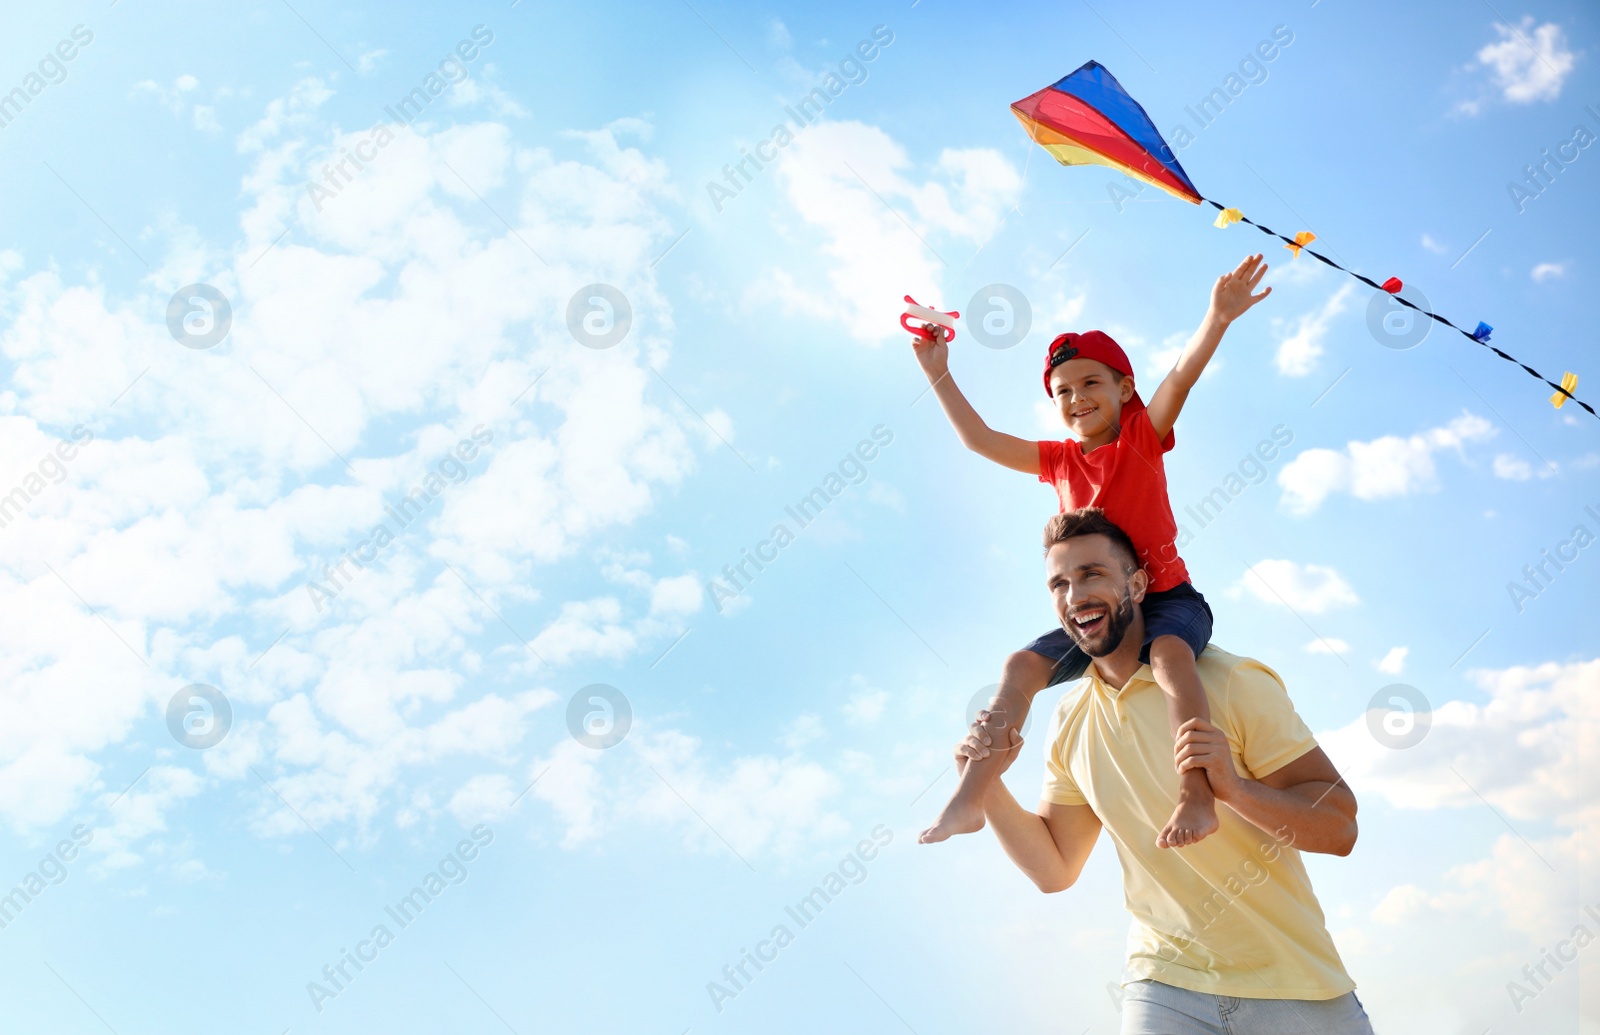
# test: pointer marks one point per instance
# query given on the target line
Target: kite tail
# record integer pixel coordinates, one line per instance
(1560, 389)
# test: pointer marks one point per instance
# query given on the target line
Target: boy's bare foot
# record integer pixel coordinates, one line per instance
(958, 817)
(1192, 821)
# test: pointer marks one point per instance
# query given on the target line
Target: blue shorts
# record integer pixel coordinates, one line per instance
(1180, 611)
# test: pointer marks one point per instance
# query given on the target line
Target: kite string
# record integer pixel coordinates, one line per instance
(1410, 305)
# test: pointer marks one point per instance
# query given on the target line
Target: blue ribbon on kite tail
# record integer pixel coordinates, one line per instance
(1433, 316)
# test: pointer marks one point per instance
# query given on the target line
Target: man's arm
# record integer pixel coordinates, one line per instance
(1050, 845)
(1230, 298)
(1307, 797)
(1019, 454)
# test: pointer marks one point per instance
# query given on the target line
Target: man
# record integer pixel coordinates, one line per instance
(1227, 936)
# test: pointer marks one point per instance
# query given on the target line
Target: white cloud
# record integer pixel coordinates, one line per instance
(1296, 272)
(1401, 904)
(1299, 348)
(1522, 746)
(569, 782)
(141, 812)
(1047, 419)
(1523, 752)
(585, 629)
(1394, 662)
(481, 89)
(1328, 645)
(1166, 357)
(192, 518)
(298, 110)
(484, 797)
(805, 728)
(1311, 588)
(842, 178)
(1512, 468)
(1434, 246)
(754, 804)
(676, 596)
(757, 805)
(1548, 271)
(866, 705)
(1382, 468)
(1529, 63)
(181, 95)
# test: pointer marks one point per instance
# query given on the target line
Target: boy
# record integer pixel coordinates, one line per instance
(1116, 465)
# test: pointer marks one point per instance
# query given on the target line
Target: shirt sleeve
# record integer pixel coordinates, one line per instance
(1050, 456)
(1271, 733)
(1059, 786)
(1145, 434)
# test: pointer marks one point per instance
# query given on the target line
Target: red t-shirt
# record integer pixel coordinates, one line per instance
(1128, 480)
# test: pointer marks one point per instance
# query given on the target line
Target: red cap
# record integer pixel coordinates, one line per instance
(1096, 345)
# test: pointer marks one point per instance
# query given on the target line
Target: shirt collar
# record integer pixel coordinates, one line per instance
(1143, 675)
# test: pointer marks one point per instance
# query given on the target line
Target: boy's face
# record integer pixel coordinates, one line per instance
(1089, 396)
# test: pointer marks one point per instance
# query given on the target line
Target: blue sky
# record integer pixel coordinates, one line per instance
(425, 699)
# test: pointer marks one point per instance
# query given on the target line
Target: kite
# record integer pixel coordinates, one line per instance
(1087, 118)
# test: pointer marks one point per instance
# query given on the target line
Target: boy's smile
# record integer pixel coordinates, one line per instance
(1089, 396)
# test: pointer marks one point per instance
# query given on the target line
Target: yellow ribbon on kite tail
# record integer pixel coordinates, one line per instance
(1301, 239)
(1569, 381)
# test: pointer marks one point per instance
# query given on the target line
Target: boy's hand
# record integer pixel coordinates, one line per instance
(980, 743)
(933, 351)
(1231, 297)
(1200, 745)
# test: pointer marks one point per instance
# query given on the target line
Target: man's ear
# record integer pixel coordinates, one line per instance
(1127, 387)
(1138, 585)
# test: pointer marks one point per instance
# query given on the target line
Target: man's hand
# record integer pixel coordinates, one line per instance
(980, 744)
(1200, 745)
(1231, 296)
(933, 351)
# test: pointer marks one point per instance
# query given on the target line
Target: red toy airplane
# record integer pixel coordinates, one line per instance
(922, 314)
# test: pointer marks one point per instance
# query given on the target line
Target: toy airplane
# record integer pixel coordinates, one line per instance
(921, 314)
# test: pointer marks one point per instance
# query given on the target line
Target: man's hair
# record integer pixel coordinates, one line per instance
(1073, 524)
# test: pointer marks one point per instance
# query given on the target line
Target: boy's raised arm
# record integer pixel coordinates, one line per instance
(1231, 298)
(933, 354)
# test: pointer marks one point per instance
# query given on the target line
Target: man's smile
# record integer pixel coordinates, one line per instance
(1090, 620)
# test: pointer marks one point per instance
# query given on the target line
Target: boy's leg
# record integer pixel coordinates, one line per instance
(1024, 675)
(1172, 661)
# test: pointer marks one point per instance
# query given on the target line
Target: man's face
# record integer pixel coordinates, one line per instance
(1094, 592)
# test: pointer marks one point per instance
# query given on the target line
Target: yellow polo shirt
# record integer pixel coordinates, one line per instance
(1235, 914)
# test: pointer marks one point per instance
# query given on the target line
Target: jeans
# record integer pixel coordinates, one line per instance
(1152, 1008)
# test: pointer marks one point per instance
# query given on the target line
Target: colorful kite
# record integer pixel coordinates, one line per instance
(1089, 119)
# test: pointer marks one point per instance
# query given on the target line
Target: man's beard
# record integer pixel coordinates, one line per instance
(1117, 623)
